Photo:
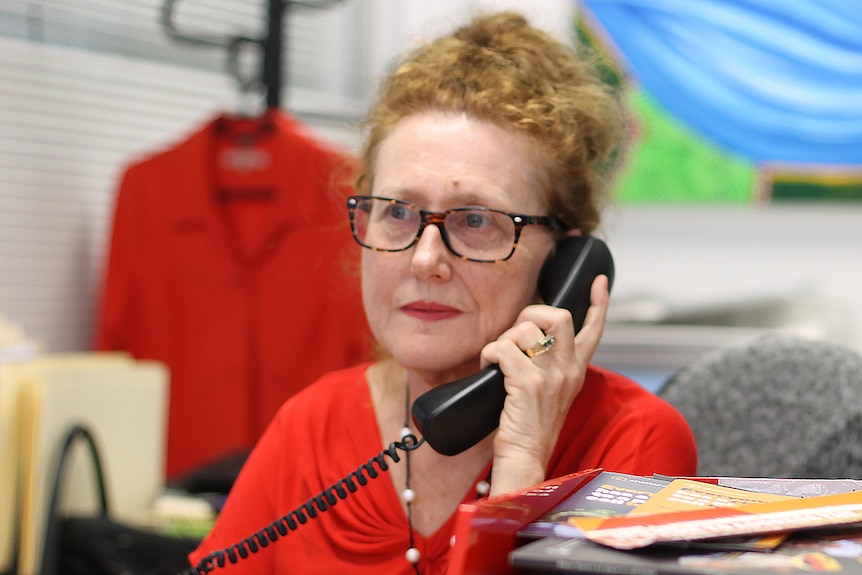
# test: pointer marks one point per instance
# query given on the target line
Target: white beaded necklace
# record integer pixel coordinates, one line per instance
(408, 495)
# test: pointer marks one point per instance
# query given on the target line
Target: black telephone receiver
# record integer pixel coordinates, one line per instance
(457, 415)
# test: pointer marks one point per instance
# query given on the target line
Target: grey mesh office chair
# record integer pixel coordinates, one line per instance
(774, 406)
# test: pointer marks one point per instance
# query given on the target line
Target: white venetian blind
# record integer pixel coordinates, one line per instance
(86, 86)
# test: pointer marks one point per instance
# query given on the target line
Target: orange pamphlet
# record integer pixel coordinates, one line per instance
(635, 531)
(688, 494)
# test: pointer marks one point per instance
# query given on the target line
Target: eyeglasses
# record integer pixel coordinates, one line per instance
(474, 234)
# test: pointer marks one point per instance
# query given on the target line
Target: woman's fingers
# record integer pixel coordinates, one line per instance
(587, 339)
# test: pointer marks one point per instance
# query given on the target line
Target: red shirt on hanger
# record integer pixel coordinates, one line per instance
(231, 261)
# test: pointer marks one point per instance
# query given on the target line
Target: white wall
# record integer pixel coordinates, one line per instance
(690, 257)
(401, 24)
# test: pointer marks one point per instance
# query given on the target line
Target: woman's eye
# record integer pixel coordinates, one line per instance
(399, 212)
(475, 220)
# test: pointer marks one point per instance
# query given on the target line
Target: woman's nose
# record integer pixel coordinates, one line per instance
(430, 255)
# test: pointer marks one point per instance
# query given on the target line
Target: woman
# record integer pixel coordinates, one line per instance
(500, 118)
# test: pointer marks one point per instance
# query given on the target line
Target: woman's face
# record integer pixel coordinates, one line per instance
(430, 309)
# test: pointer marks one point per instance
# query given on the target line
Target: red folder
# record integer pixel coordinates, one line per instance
(485, 530)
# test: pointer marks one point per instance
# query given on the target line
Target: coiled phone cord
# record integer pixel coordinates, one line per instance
(299, 516)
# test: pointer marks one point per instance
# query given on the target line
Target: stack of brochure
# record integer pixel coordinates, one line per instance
(625, 524)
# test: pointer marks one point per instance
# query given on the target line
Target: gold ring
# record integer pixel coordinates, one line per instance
(543, 345)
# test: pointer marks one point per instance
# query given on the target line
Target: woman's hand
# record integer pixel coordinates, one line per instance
(540, 388)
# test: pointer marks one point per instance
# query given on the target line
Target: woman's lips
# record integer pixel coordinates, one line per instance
(429, 311)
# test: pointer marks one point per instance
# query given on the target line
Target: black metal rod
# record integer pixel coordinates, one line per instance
(272, 54)
(272, 68)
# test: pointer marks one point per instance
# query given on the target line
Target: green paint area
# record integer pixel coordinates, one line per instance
(666, 163)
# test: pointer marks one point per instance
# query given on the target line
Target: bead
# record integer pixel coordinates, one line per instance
(483, 487)
(412, 555)
(452, 541)
(405, 431)
(408, 495)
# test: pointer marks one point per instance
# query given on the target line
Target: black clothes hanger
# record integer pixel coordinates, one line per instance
(271, 46)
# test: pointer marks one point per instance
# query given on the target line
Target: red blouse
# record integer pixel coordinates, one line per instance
(329, 430)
